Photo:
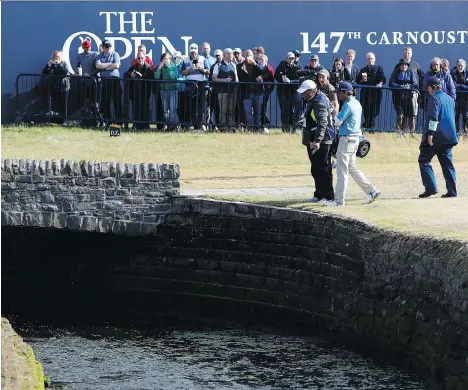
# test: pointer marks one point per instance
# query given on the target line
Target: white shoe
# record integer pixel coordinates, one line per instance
(333, 203)
(315, 200)
(266, 131)
(373, 196)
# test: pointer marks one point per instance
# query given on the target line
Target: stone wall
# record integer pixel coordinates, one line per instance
(389, 294)
(103, 197)
(20, 369)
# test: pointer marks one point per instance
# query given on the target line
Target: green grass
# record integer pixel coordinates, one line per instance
(214, 161)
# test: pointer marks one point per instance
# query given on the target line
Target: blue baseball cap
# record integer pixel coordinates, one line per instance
(344, 86)
(432, 81)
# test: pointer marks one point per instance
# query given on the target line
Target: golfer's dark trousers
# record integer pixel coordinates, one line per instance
(321, 170)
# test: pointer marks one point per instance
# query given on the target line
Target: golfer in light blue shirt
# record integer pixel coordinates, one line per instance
(349, 123)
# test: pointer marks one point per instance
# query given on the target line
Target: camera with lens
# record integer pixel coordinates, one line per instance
(195, 61)
(307, 74)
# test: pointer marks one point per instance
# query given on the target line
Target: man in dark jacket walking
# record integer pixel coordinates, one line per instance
(317, 136)
(438, 140)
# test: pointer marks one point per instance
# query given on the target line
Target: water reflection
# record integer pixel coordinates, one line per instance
(109, 358)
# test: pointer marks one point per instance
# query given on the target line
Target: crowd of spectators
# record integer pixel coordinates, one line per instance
(232, 88)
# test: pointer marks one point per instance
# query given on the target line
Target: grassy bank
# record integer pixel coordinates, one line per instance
(214, 161)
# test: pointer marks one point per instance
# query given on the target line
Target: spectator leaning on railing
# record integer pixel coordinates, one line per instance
(139, 91)
(224, 73)
(86, 66)
(371, 75)
(252, 93)
(285, 73)
(445, 79)
(108, 64)
(405, 102)
(167, 70)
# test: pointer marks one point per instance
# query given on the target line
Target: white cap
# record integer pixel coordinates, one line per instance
(218, 52)
(193, 47)
(237, 50)
(291, 55)
(306, 85)
(177, 54)
(228, 50)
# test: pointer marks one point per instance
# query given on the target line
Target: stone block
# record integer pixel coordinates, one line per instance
(104, 225)
(75, 222)
(128, 182)
(51, 207)
(148, 229)
(45, 197)
(47, 219)
(60, 220)
(128, 172)
(119, 227)
(22, 167)
(108, 182)
(24, 179)
(7, 177)
(15, 218)
(133, 228)
(112, 169)
(11, 197)
(89, 224)
(32, 218)
(8, 186)
(48, 168)
(4, 217)
(56, 167)
(112, 205)
(66, 168)
(66, 205)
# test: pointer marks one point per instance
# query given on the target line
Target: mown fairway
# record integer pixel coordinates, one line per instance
(223, 161)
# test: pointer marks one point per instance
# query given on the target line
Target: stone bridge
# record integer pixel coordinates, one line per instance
(128, 199)
(166, 255)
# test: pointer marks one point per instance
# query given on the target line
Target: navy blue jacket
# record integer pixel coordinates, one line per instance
(463, 77)
(445, 80)
(441, 109)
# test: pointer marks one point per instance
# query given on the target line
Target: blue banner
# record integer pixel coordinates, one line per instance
(32, 30)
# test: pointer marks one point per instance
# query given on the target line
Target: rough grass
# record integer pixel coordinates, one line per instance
(215, 161)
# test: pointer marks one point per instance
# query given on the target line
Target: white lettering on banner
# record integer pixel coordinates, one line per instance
(320, 43)
(141, 25)
(416, 37)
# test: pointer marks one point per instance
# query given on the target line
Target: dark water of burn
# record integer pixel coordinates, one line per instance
(109, 358)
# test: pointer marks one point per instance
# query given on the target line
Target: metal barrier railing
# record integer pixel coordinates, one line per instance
(224, 106)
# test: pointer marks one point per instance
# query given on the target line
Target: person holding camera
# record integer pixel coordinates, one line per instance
(317, 136)
(194, 68)
(288, 97)
(311, 71)
(438, 139)
(108, 64)
(56, 86)
(348, 122)
(139, 91)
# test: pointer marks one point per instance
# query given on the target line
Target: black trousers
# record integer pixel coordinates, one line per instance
(111, 92)
(461, 110)
(370, 100)
(321, 170)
